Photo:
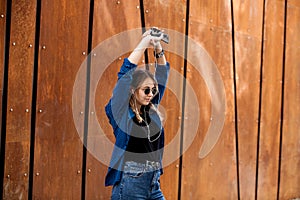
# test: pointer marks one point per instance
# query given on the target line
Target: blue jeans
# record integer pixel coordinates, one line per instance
(138, 182)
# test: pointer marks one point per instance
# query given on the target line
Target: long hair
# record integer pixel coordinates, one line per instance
(138, 77)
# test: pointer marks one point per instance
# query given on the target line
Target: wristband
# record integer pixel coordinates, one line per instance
(160, 54)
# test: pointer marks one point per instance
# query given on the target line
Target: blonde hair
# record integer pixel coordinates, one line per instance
(138, 77)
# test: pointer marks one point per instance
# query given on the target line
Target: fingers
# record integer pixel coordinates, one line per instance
(146, 33)
(153, 35)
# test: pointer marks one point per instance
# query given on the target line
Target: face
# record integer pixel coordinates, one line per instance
(148, 86)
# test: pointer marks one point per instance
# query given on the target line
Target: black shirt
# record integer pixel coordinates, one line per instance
(144, 139)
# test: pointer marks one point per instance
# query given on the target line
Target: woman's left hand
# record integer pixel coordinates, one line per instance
(154, 36)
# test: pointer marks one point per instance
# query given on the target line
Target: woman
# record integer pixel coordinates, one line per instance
(136, 162)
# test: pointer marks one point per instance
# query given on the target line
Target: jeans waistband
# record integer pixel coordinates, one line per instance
(137, 166)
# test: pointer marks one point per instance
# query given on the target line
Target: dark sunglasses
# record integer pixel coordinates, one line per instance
(153, 91)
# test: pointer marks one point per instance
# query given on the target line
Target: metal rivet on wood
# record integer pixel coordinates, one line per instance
(11, 110)
(2, 16)
(14, 44)
(30, 45)
(44, 47)
(27, 110)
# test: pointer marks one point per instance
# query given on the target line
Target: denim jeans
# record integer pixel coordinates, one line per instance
(138, 182)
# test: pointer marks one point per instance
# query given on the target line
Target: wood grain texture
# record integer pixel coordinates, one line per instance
(269, 140)
(248, 19)
(290, 156)
(215, 175)
(110, 18)
(19, 99)
(58, 148)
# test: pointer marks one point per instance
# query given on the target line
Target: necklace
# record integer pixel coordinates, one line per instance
(148, 129)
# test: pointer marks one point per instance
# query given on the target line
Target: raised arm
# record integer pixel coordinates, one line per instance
(147, 41)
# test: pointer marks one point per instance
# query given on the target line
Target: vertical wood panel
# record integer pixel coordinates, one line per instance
(20, 73)
(170, 15)
(110, 18)
(271, 100)
(58, 149)
(290, 158)
(214, 176)
(248, 37)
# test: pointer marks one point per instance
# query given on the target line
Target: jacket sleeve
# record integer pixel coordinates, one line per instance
(161, 75)
(118, 104)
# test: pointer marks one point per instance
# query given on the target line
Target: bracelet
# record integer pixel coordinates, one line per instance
(160, 54)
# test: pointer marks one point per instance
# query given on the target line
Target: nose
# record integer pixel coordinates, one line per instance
(150, 94)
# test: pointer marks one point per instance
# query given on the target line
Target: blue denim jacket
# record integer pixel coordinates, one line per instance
(120, 115)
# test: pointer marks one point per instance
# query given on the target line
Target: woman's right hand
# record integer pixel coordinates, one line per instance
(153, 37)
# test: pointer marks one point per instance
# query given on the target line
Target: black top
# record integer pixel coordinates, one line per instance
(139, 142)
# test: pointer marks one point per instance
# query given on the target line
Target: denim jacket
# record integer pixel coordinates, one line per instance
(120, 115)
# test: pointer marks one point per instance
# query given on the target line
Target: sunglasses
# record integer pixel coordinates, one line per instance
(148, 90)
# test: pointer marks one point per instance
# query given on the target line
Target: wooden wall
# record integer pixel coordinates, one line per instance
(255, 46)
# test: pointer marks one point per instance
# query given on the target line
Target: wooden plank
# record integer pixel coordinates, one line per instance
(2, 47)
(215, 175)
(110, 18)
(248, 37)
(271, 100)
(58, 148)
(171, 16)
(290, 157)
(19, 98)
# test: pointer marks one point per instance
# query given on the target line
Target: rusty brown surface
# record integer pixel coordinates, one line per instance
(214, 175)
(19, 100)
(269, 140)
(248, 19)
(58, 148)
(290, 156)
(171, 17)
(110, 18)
